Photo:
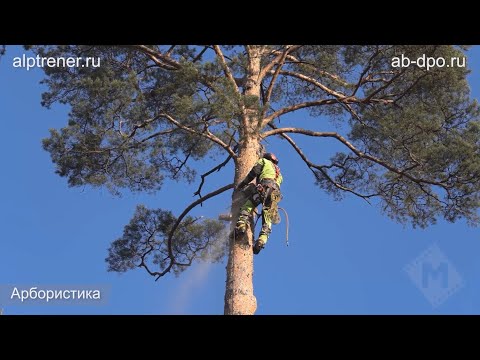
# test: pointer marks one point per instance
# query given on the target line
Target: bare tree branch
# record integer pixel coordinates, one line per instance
(211, 171)
(279, 64)
(277, 60)
(406, 91)
(384, 86)
(355, 151)
(175, 226)
(200, 54)
(182, 164)
(226, 69)
(289, 109)
(179, 220)
(338, 97)
(190, 207)
(136, 127)
(206, 133)
(157, 57)
(314, 82)
(365, 70)
(170, 50)
(294, 60)
(313, 166)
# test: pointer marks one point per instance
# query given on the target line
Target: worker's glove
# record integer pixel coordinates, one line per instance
(240, 186)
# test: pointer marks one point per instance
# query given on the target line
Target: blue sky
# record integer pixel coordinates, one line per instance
(344, 257)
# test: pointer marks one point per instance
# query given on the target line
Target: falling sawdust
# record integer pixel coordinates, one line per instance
(194, 280)
(196, 277)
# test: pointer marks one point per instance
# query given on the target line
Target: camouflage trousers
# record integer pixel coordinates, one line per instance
(265, 198)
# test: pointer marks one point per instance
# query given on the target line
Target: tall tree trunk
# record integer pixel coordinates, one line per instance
(239, 297)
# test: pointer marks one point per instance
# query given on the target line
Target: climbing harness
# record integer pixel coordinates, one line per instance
(271, 212)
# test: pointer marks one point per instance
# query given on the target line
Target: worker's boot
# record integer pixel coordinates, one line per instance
(258, 246)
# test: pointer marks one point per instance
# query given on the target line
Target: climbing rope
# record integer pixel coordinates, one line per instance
(272, 212)
(286, 223)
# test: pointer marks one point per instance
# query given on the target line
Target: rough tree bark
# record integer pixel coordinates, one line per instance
(239, 297)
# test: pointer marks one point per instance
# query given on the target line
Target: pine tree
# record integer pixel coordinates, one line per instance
(410, 135)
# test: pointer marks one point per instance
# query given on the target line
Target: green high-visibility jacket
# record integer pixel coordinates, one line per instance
(265, 169)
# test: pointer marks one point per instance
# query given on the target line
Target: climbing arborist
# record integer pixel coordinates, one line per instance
(265, 192)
